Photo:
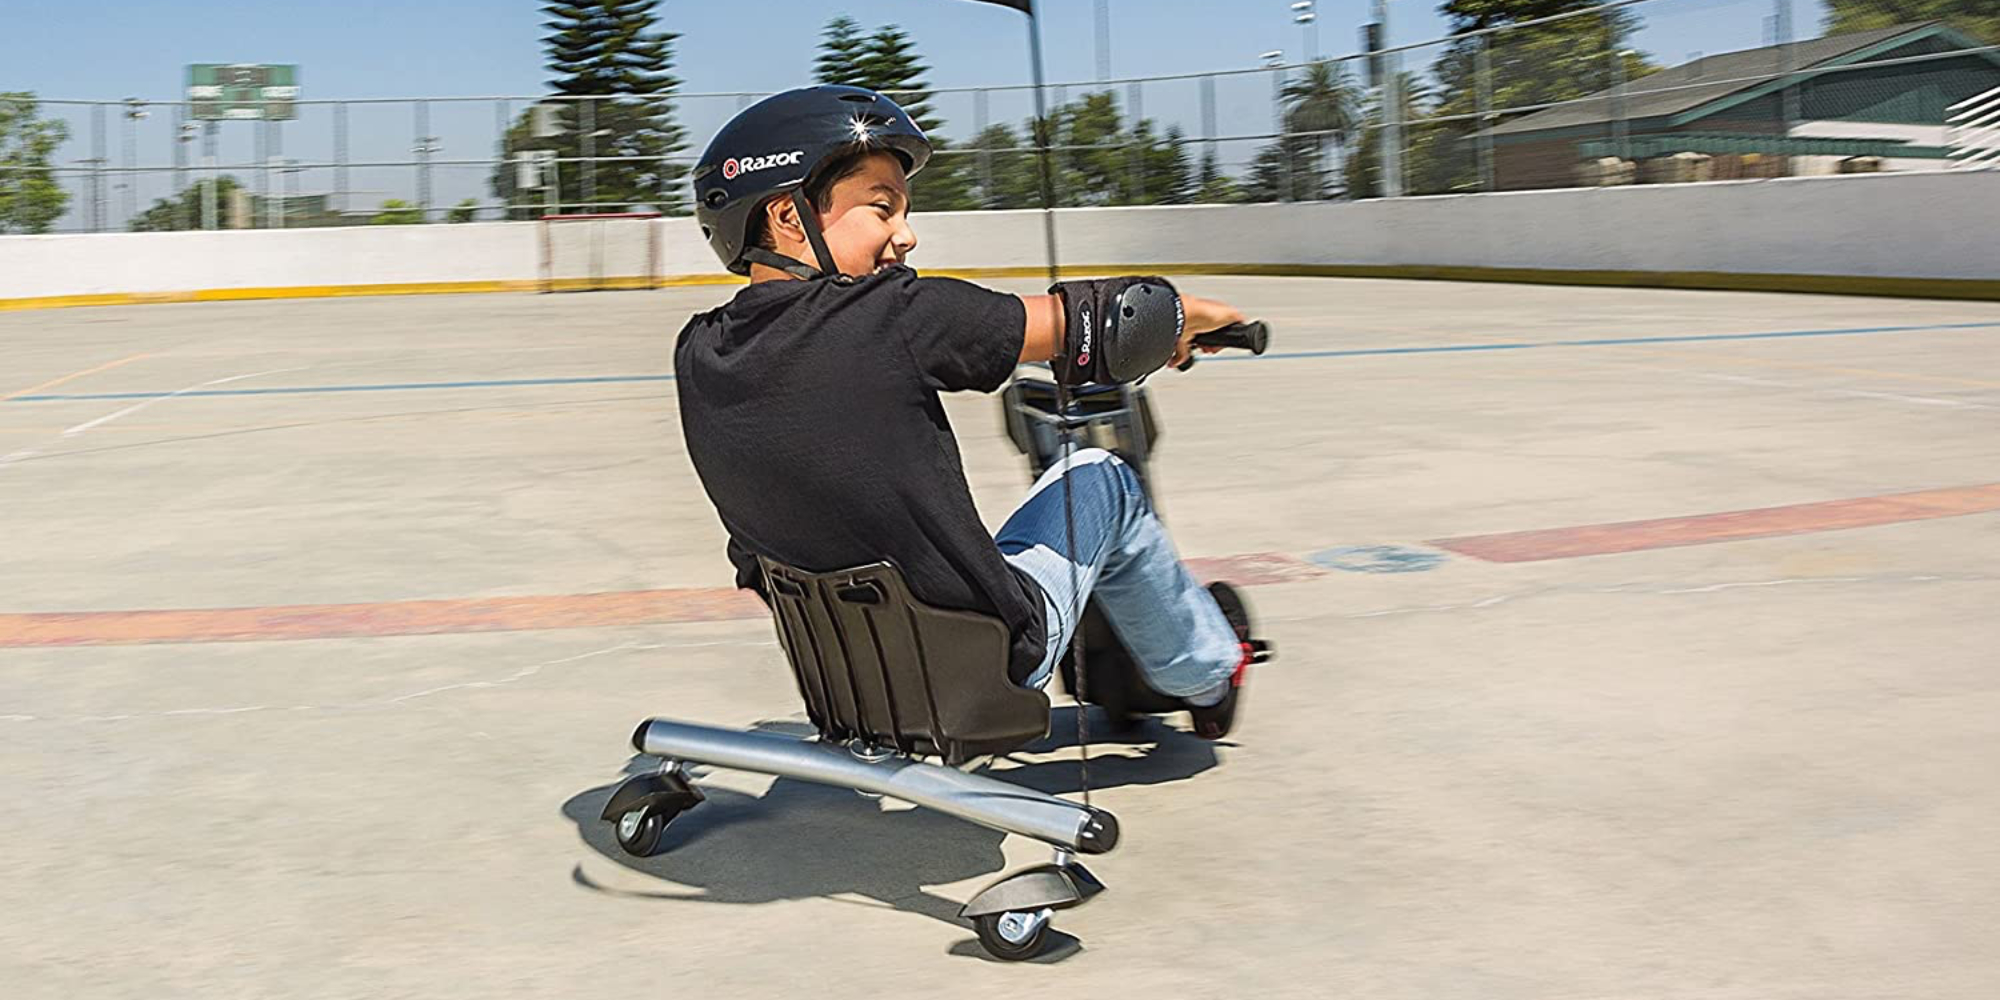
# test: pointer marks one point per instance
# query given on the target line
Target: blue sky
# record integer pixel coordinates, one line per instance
(109, 49)
(377, 48)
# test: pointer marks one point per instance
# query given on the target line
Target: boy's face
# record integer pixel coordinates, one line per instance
(868, 225)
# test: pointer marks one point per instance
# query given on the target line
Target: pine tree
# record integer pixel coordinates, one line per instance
(891, 65)
(1169, 180)
(841, 50)
(1216, 187)
(1000, 173)
(887, 61)
(609, 52)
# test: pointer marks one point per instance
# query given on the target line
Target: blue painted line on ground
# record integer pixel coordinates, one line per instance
(1599, 342)
(1377, 559)
(1525, 345)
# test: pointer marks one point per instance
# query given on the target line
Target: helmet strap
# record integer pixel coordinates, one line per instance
(796, 268)
(808, 221)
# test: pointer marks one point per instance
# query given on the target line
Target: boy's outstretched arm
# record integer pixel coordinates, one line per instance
(1043, 338)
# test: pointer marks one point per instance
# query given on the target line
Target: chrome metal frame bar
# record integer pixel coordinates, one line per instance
(976, 798)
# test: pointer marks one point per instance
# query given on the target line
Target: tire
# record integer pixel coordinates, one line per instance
(998, 942)
(639, 832)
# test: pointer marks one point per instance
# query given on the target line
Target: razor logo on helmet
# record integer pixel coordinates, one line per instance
(733, 167)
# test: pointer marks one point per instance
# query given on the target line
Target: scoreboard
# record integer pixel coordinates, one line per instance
(242, 91)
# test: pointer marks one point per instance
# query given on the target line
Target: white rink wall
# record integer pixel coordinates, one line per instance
(1936, 225)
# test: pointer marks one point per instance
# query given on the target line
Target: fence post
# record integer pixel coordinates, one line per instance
(589, 150)
(501, 122)
(1621, 128)
(275, 208)
(1488, 181)
(134, 111)
(1278, 126)
(979, 112)
(209, 195)
(182, 135)
(1208, 117)
(1135, 154)
(97, 144)
(426, 144)
(1788, 101)
(340, 190)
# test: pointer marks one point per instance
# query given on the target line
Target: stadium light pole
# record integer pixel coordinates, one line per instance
(1275, 61)
(135, 112)
(1307, 19)
(1389, 98)
(1103, 40)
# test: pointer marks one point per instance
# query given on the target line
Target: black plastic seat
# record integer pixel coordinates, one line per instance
(875, 664)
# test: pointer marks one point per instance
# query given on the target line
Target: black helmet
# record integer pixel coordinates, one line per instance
(777, 145)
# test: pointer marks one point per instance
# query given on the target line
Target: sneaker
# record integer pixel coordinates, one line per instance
(1214, 721)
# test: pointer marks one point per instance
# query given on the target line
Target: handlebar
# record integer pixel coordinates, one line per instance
(1254, 336)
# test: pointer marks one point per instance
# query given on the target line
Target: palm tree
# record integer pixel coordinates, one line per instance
(1326, 102)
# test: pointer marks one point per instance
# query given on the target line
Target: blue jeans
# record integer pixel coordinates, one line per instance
(1166, 620)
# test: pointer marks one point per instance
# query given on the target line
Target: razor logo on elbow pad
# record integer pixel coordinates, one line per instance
(1122, 329)
(1083, 343)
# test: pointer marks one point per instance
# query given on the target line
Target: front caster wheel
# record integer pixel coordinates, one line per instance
(1015, 935)
(640, 830)
(641, 808)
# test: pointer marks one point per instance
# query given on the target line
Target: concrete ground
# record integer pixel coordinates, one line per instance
(1756, 767)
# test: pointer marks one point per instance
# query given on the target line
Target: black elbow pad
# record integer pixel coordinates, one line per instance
(1119, 329)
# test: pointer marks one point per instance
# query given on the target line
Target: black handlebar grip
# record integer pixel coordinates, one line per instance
(1254, 336)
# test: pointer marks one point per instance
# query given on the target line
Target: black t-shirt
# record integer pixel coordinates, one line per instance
(811, 412)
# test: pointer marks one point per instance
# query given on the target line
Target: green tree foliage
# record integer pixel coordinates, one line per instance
(1978, 18)
(1101, 159)
(887, 61)
(1097, 159)
(1002, 170)
(1167, 178)
(397, 212)
(1286, 170)
(30, 198)
(1213, 187)
(184, 211)
(1324, 104)
(1364, 159)
(841, 50)
(1321, 113)
(464, 211)
(610, 50)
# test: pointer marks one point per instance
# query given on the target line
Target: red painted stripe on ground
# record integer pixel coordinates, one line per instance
(494, 614)
(346, 621)
(1764, 522)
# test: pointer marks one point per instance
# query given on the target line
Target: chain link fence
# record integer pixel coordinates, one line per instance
(1638, 91)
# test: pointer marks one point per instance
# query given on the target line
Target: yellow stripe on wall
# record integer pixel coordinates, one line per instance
(1818, 284)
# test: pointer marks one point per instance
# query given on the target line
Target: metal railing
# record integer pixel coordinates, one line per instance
(1975, 132)
(1559, 101)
